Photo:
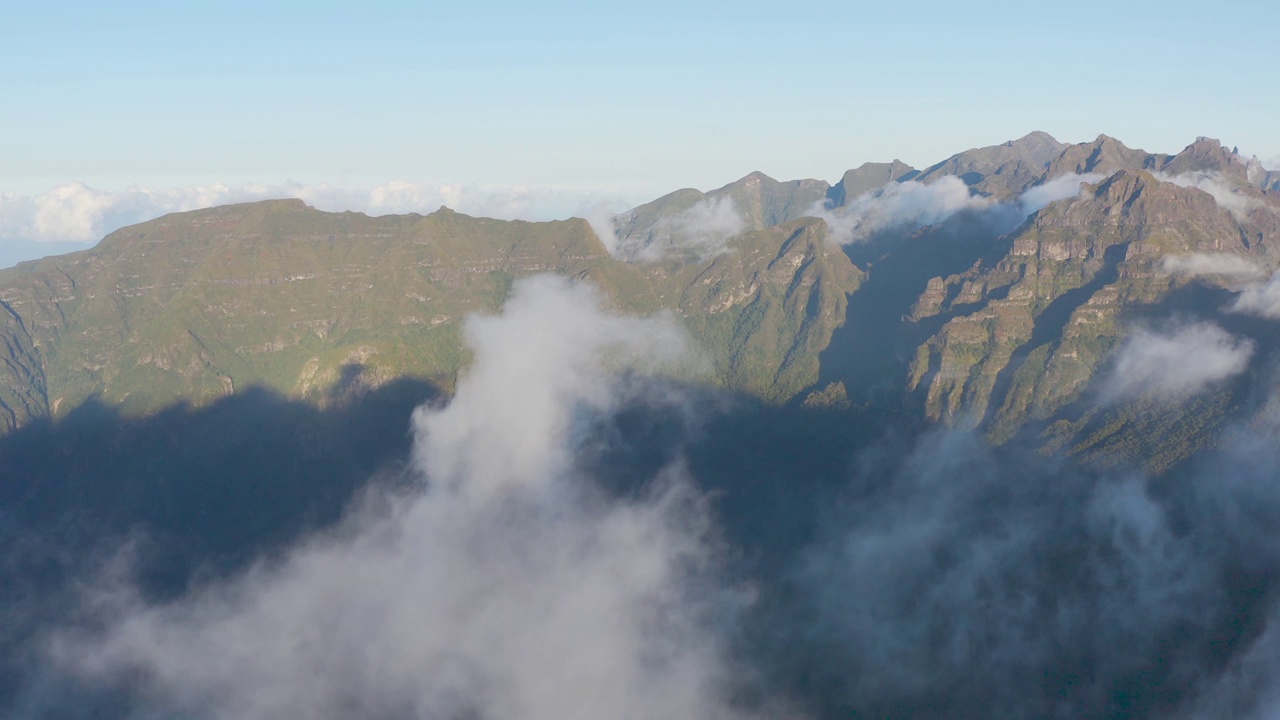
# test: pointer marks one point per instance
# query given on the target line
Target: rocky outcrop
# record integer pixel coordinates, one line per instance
(868, 177)
(1000, 171)
(1053, 308)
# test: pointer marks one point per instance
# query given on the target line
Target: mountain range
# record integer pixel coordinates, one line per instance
(986, 291)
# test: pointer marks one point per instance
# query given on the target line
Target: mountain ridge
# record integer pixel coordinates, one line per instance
(197, 305)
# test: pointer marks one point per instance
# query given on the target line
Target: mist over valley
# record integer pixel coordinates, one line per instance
(997, 437)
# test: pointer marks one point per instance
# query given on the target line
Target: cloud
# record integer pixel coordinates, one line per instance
(508, 585)
(1059, 188)
(600, 217)
(966, 578)
(907, 575)
(1176, 364)
(997, 582)
(1237, 204)
(898, 205)
(1261, 299)
(77, 212)
(703, 231)
(1211, 264)
(913, 204)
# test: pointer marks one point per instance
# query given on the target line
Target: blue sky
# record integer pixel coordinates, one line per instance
(586, 96)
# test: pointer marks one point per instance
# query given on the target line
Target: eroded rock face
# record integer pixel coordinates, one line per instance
(1002, 171)
(1055, 307)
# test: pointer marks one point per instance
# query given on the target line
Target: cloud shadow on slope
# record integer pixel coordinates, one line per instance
(196, 493)
(871, 352)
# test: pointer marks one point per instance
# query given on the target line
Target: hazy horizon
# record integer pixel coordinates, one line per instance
(75, 215)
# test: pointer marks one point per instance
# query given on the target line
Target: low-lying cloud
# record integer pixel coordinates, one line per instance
(1225, 264)
(943, 573)
(899, 205)
(1238, 204)
(1261, 299)
(1177, 363)
(1059, 188)
(508, 586)
(912, 204)
(700, 231)
(964, 581)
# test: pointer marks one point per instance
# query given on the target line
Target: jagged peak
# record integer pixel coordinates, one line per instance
(753, 179)
(1124, 181)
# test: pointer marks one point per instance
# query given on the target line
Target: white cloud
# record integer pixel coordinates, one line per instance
(913, 204)
(1176, 364)
(1261, 299)
(1059, 188)
(703, 230)
(1211, 264)
(1212, 183)
(896, 205)
(510, 587)
(77, 212)
(600, 217)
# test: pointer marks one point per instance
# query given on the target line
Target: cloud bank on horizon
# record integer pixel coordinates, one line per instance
(75, 212)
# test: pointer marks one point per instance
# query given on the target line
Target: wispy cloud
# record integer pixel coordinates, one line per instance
(1059, 188)
(1261, 299)
(898, 205)
(1224, 264)
(1213, 183)
(510, 586)
(996, 582)
(913, 204)
(77, 212)
(1177, 363)
(702, 231)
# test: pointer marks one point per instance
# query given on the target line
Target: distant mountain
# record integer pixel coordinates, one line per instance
(869, 177)
(961, 321)
(1001, 170)
(757, 200)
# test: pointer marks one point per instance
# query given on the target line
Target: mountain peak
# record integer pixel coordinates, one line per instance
(1035, 136)
(1037, 143)
(1003, 170)
(1207, 155)
(755, 177)
(867, 177)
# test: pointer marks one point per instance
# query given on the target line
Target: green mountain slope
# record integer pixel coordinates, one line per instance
(197, 305)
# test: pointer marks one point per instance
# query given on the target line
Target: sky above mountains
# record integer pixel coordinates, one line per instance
(581, 103)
